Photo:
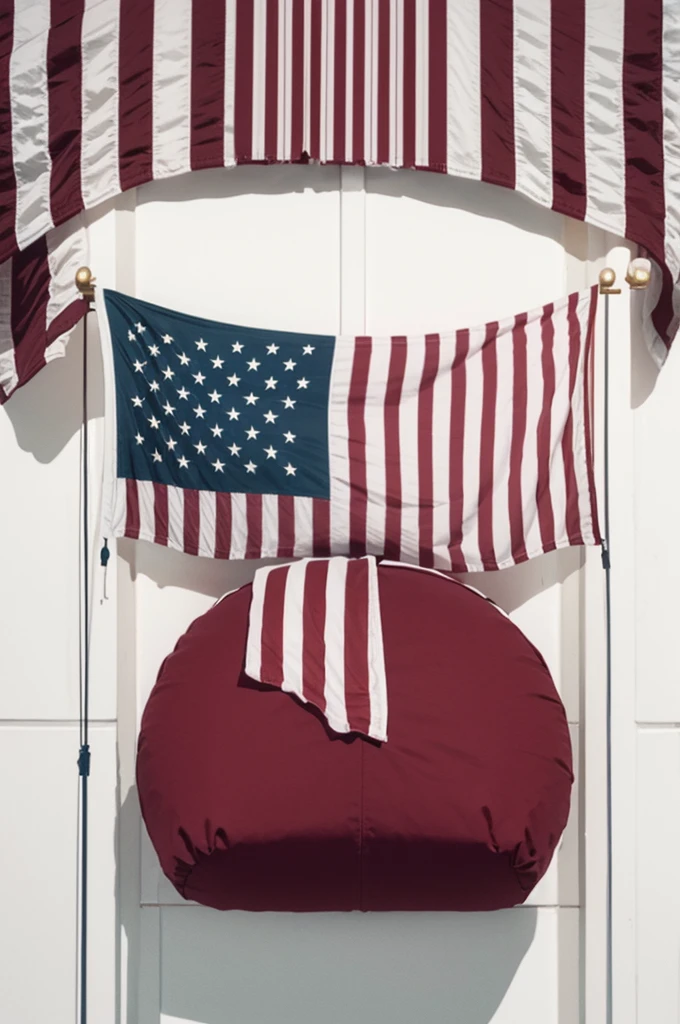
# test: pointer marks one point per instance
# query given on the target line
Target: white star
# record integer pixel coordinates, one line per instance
(250, 467)
(251, 399)
(184, 359)
(217, 466)
(168, 339)
(201, 345)
(183, 462)
(270, 416)
(213, 396)
(232, 414)
(307, 350)
(290, 438)
(199, 411)
(234, 449)
(216, 431)
(154, 422)
(183, 393)
(289, 364)
(270, 384)
(289, 403)
(198, 377)
(302, 383)
(171, 443)
(237, 347)
(168, 373)
(251, 433)
(233, 380)
(138, 366)
(271, 452)
(272, 350)
(200, 448)
(253, 364)
(139, 439)
(137, 402)
(154, 350)
(154, 385)
(169, 409)
(185, 428)
(140, 327)
(132, 336)
(156, 456)
(217, 362)
(290, 470)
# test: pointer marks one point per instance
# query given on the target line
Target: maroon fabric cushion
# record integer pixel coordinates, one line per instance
(252, 804)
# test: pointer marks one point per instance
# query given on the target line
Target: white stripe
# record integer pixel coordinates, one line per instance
(349, 82)
(239, 526)
(30, 120)
(529, 474)
(100, 178)
(8, 368)
(229, 82)
(472, 433)
(147, 517)
(671, 144)
(441, 452)
(171, 88)
(253, 665)
(307, 76)
(207, 523)
(374, 418)
(304, 527)
(293, 619)
(558, 420)
(259, 76)
(397, 83)
(579, 432)
(377, 682)
(176, 518)
(371, 83)
(408, 449)
(67, 250)
(604, 138)
(422, 85)
(334, 638)
(270, 525)
(327, 80)
(284, 70)
(338, 442)
(505, 400)
(464, 115)
(533, 106)
(119, 508)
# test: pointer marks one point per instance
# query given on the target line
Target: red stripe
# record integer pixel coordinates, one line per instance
(254, 526)
(8, 242)
(357, 446)
(298, 82)
(572, 513)
(486, 448)
(437, 86)
(313, 626)
(567, 49)
(663, 315)
(340, 83)
(207, 83)
(409, 143)
(546, 517)
(135, 92)
(30, 295)
(271, 82)
(192, 521)
(315, 85)
(160, 513)
(359, 81)
(321, 527)
(357, 701)
(498, 118)
(243, 82)
(393, 498)
(456, 446)
(286, 548)
(383, 154)
(272, 626)
(64, 77)
(222, 525)
(131, 510)
(519, 427)
(426, 441)
(588, 391)
(643, 122)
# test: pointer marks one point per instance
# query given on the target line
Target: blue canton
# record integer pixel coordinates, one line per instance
(216, 407)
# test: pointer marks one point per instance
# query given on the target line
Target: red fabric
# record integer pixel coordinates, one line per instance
(252, 804)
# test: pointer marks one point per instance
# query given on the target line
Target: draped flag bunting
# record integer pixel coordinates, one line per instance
(315, 631)
(465, 450)
(574, 103)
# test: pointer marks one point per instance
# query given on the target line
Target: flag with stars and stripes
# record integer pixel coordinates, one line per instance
(465, 450)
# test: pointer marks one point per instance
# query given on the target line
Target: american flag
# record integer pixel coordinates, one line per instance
(465, 450)
(315, 631)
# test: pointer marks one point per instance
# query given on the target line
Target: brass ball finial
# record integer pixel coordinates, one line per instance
(607, 281)
(639, 273)
(85, 282)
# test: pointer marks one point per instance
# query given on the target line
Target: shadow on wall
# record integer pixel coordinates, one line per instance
(217, 968)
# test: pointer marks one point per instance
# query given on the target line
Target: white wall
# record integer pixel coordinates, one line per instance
(319, 249)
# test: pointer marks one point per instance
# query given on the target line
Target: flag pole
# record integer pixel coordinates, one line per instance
(85, 285)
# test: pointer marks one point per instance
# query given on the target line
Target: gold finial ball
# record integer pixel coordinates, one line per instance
(639, 273)
(85, 282)
(607, 277)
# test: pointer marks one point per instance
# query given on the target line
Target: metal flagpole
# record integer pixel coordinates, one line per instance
(85, 285)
